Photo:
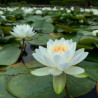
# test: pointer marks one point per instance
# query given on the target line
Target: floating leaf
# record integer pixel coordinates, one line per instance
(46, 27)
(40, 39)
(91, 69)
(66, 28)
(3, 91)
(29, 86)
(9, 55)
(15, 69)
(88, 40)
(79, 86)
(33, 18)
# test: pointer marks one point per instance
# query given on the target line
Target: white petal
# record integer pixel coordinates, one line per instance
(51, 41)
(74, 70)
(63, 67)
(79, 51)
(41, 71)
(82, 57)
(55, 72)
(39, 58)
(43, 50)
(49, 62)
(62, 40)
(68, 56)
(58, 59)
(77, 59)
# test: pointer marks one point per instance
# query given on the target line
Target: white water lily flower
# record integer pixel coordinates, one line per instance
(72, 8)
(61, 8)
(60, 58)
(68, 11)
(95, 32)
(28, 10)
(81, 21)
(38, 12)
(4, 17)
(1, 12)
(87, 10)
(46, 8)
(81, 10)
(54, 9)
(23, 31)
(95, 12)
(10, 9)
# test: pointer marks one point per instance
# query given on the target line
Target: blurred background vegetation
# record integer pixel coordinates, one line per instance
(51, 2)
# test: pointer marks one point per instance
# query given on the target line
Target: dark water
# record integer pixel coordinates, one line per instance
(28, 58)
(92, 94)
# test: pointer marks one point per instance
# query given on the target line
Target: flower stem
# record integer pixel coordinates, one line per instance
(67, 92)
(22, 47)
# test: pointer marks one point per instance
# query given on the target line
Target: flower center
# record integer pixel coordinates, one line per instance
(61, 46)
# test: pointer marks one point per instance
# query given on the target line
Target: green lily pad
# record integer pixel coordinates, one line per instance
(33, 18)
(88, 47)
(40, 39)
(74, 37)
(34, 64)
(29, 86)
(88, 40)
(91, 69)
(79, 86)
(9, 55)
(16, 69)
(3, 90)
(66, 28)
(45, 27)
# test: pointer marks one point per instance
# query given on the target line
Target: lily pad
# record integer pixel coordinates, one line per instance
(79, 86)
(29, 86)
(88, 40)
(91, 69)
(45, 27)
(3, 90)
(9, 55)
(40, 39)
(16, 69)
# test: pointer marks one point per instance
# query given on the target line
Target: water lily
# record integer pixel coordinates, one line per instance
(3, 17)
(95, 12)
(95, 32)
(10, 9)
(68, 11)
(81, 21)
(28, 10)
(23, 31)
(81, 10)
(87, 10)
(1, 12)
(72, 8)
(60, 58)
(38, 12)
